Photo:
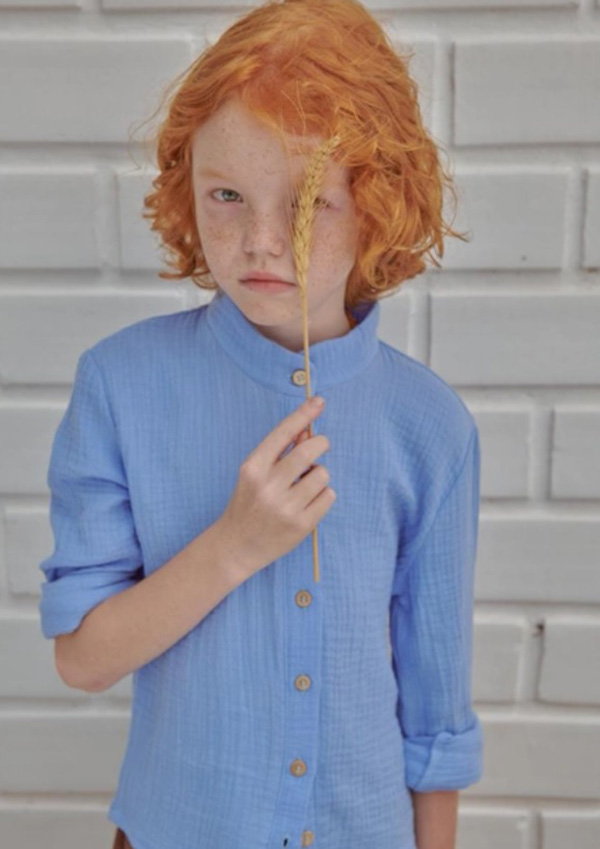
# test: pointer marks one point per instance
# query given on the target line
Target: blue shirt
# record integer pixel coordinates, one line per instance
(296, 712)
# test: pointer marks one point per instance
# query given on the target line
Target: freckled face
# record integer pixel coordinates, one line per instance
(243, 220)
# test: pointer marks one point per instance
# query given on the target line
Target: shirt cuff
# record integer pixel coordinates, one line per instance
(444, 761)
(74, 592)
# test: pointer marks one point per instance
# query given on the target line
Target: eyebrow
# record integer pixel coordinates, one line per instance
(210, 172)
(213, 172)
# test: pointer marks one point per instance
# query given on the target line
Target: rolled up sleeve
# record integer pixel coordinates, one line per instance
(96, 550)
(431, 629)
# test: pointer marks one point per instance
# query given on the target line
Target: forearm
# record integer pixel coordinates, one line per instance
(435, 819)
(133, 627)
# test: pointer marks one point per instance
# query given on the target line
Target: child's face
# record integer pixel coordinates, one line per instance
(243, 227)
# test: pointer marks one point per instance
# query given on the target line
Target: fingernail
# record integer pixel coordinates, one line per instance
(317, 401)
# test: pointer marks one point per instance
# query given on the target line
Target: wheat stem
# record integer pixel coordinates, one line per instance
(301, 243)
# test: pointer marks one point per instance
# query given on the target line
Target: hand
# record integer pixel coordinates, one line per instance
(278, 500)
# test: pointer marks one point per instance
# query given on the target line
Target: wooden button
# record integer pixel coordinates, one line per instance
(307, 838)
(302, 682)
(298, 767)
(299, 377)
(303, 598)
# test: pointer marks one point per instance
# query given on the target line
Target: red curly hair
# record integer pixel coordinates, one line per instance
(324, 67)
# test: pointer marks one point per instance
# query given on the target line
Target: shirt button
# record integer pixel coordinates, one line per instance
(299, 377)
(303, 598)
(307, 838)
(302, 682)
(298, 767)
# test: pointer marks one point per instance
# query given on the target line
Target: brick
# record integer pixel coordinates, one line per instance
(373, 5)
(553, 756)
(168, 5)
(52, 825)
(514, 216)
(492, 828)
(504, 439)
(575, 469)
(40, 4)
(28, 539)
(140, 246)
(578, 828)
(65, 752)
(516, 339)
(119, 83)
(47, 219)
(498, 646)
(480, 4)
(474, 4)
(569, 670)
(30, 672)
(527, 90)
(527, 558)
(591, 251)
(26, 432)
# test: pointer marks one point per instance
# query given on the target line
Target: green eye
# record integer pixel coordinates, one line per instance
(231, 191)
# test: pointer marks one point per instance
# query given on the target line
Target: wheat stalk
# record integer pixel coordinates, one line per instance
(301, 245)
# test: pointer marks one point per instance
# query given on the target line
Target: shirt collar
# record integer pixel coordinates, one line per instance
(332, 361)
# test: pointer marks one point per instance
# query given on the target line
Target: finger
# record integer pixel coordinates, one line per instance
(290, 429)
(302, 437)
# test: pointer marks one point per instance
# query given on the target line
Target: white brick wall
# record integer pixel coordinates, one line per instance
(512, 90)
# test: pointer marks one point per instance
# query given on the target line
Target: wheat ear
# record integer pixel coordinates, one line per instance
(302, 238)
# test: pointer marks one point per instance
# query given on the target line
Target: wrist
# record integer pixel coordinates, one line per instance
(231, 559)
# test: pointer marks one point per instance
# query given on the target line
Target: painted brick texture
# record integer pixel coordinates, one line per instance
(511, 320)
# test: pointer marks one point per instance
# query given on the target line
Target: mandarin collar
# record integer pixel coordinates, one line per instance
(332, 361)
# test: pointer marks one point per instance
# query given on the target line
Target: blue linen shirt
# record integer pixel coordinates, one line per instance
(296, 712)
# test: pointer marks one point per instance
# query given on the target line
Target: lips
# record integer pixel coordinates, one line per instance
(268, 285)
(264, 277)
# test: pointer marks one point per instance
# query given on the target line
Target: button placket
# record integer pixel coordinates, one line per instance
(303, 598)
(303, 682)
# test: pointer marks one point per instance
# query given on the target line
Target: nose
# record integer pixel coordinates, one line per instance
(268, 232)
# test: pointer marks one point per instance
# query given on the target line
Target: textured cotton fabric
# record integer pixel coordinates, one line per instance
(228, 748)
